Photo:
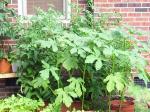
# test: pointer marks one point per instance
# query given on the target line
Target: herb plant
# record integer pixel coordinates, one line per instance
(20, 104)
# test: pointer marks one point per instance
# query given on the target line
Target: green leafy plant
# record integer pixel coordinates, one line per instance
(5, 24)
(20, 104)
(58, 63)
(141, 96)
(7, 27)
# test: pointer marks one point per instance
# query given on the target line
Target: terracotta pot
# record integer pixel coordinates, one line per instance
(126, 106)
(5, 66)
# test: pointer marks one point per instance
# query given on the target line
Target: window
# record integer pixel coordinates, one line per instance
(28, 7)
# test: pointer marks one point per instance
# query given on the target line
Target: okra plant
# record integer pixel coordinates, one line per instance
(61, 64)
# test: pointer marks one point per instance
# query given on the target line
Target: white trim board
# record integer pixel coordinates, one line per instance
(22, 8)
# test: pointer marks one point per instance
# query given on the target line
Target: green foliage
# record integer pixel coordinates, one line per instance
(20, 104)
(49, 55)
(141, 96)
(5, 25)
(74, 90)
(115, 81)
(52, 108)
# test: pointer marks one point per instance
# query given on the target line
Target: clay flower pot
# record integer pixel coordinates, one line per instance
(126, 106)
(5, 66)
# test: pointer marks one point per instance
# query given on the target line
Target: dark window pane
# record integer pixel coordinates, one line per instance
(43, 4)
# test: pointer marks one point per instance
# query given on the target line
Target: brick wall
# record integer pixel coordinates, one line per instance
(13, 4)
(8, 87)
(134, 12)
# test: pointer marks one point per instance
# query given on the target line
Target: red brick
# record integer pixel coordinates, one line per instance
(134, 4)
(120, 5)
(12, 6)
(128, 19)
(100, 1)
(146, 14)
(127, 9)
(134, 14)
(9, 42)
(143, 28)
(14, 1)
(142, 19)
(114, 0)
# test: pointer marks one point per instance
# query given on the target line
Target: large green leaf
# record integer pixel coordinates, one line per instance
(110, 86)
(70, 63)
(48, 44)
(108, 52)
(76, 84)
(45, 74)
(63, 97)
(90, 59)
(98, 64)
(73, 50)
(53, 71)
(119, 86)
(45, 65)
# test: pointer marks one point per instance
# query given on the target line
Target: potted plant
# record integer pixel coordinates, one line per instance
(123, 59)
(5, 33)
(5, 66)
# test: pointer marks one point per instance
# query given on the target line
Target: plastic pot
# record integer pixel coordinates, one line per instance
(126, 106)
(14, 67)
(5, 66)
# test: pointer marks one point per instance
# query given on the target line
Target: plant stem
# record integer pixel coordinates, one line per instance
(109, 101)
(113, 63)
(83, 85)
(58, 84)
(120, 106)
(52, 91)
(122, 93)
(69, 74)
(113, 70)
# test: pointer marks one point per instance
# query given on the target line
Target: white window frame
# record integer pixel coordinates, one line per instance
(22, 9)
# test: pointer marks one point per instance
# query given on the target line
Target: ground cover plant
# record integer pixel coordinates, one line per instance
(80, 62)
(20, 104)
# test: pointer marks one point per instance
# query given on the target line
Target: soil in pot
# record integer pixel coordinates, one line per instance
(126, 106)
(5, 66)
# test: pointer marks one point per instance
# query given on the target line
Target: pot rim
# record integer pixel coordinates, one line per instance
(116, 103)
